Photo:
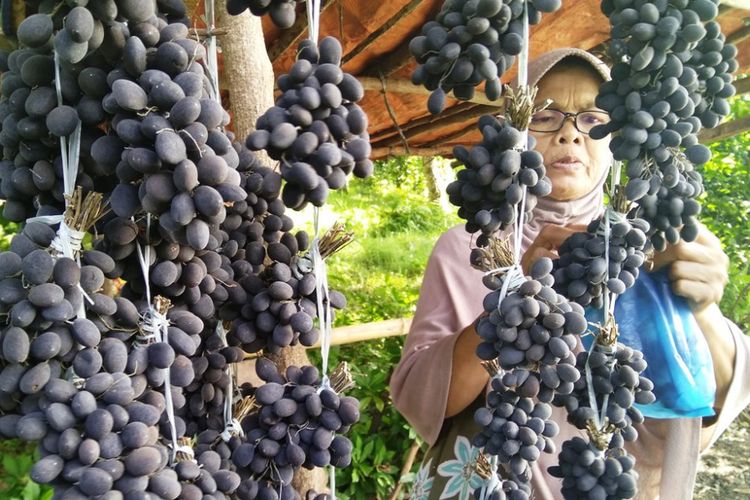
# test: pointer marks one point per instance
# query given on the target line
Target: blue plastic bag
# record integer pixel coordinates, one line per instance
(652, 319)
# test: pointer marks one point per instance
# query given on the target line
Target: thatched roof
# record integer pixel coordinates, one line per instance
(375, 36)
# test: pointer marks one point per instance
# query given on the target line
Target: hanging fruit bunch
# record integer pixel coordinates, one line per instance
(470, 43)
(136, 393)
(672, 77)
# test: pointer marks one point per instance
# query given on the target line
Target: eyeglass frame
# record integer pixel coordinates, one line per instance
(565, 117)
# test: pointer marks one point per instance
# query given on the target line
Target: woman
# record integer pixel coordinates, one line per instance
(440, 381)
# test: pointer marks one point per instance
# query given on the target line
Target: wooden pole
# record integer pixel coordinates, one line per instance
(248, 74)
(724, 131)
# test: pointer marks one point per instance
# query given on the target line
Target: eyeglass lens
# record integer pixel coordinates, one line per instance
(551, 120)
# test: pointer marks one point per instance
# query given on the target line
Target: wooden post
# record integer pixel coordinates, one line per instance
(248, 76)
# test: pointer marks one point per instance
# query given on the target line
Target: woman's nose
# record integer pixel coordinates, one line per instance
(569, 134)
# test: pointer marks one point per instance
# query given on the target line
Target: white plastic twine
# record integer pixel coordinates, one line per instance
(67, 241)
(232, 426)
(156, 326)
(523, 63)
(325, 320)
(69, 152)
(213, 60)
(313, 19)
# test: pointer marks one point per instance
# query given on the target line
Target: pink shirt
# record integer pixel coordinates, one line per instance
(451, 299)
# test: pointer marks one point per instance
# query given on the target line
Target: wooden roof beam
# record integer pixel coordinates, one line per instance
(391, 62)
(469, 114)
(380, 153)
(404, 86)
(739, 35)
(429, 118)
(293, 34)
(372, 37)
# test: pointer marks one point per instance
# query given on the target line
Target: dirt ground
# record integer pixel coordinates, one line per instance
(724, 471)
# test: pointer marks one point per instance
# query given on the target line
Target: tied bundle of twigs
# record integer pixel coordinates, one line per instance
(520, 105)
(336, 238)
(619, 201)
(341, 378)
(608, 333)
(493, 257)
(600, 437)
(244, 407)
(483, 466)
(492, 367)
(185, 443)
(82, 212)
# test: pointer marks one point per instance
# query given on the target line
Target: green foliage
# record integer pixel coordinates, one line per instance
(726, 211)
(16, 459)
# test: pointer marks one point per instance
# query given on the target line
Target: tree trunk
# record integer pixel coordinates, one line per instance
(248, 77)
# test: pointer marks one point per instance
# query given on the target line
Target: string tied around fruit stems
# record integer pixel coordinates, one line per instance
(185, 450)
(81, 212)
(155, 324)
(232, 426)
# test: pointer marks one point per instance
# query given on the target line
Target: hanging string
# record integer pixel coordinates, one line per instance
(323, 303)
(325, 321)
(212, 52)
(609, 217)
(232, 426)
(156, 327)
(313, 20)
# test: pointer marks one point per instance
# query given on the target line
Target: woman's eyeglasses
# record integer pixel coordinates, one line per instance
(552, 120)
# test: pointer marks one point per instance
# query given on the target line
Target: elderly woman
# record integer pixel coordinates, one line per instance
(440, 381)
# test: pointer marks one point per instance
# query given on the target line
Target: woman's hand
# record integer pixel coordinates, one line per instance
(547, 242)
(699, 269)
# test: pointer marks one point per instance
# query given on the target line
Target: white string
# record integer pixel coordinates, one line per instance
(232, 426)
(523, 57)
(323, 301)
(523, 63)
(212, 60)
(313, 20)
(324, 320)
(156, 326)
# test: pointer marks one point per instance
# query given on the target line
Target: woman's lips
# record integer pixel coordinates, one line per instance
(567, 163)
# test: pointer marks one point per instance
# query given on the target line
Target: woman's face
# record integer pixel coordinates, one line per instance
(575, 162)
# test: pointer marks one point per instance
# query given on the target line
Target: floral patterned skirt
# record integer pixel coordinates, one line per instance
(450, 466)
